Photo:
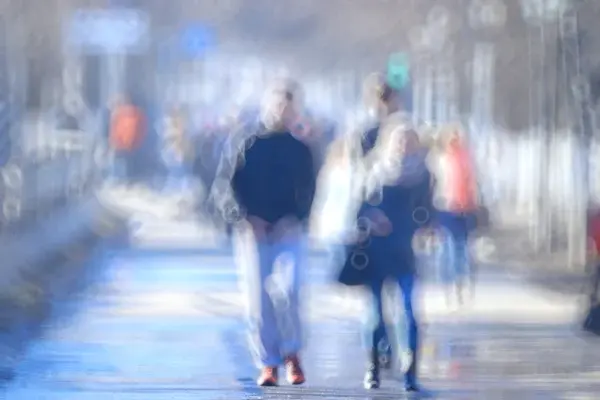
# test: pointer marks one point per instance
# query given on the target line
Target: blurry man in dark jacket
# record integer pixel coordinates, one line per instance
(273, 186)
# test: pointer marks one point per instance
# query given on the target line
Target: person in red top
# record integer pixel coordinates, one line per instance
(592, 320)
(593, 234)
(456, 203)
(127, 131)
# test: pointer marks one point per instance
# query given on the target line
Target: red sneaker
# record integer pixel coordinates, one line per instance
(295, 375)
(268, 377)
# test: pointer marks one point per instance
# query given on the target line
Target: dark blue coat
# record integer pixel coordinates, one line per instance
(277, 178)
(408, 206)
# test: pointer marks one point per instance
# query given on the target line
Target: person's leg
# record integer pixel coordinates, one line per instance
(375, 333)
(407, 285)
(256, 264)
(461, 265)
(290, 256)
(118, 168)
(383, 342)
(595, 292)
(127, 169)
(462, 259)
(447, 263)
(471, 264)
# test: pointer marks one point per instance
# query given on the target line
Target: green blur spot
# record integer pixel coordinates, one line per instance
(398, 70)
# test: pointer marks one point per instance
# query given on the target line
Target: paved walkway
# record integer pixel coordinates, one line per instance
(166, 326)
(158, 327)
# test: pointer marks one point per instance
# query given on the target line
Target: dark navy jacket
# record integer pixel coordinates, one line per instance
(276, 179)
(369, 139)
(408, 206)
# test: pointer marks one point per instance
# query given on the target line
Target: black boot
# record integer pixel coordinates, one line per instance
(372, 380)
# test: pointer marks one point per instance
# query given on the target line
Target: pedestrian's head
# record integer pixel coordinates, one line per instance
(380, 96)
(427, 136)
(410, 142)
(398, 138)
(281, 104)
(451, 135)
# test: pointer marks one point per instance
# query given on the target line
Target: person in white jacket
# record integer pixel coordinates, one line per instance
(334, 194)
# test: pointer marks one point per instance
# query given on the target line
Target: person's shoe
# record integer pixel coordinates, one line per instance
(372, 380)
(411, 387)
(460, 294)
(410, 376)
(385, 355)
(268, 377)
(295, 375)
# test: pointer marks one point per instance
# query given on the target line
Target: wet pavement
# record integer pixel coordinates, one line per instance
(171, 327)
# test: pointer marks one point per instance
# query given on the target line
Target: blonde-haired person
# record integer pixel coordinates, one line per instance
(428, 135)
(395, 205)
(273, 190)
(456, 201)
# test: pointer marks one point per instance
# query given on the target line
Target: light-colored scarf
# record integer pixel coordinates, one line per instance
(413, 168)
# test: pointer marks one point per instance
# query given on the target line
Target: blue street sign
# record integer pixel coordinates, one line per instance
(107, 31)
(196, 40)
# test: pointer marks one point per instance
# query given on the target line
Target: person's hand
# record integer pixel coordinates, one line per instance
(286, 228)
(259, 227)
(380, 223)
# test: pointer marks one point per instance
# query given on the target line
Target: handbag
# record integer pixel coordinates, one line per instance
(353, 270)
(353, 260)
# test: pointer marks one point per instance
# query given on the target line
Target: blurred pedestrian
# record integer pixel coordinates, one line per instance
(592, 320)
(177, 153)
(457, 204)
(334, 195)
(273, 183)
(396, 203)
(127, 132)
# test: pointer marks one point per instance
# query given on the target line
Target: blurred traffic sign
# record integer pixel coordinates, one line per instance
(196, 40)
(107, 31)
(398, 70)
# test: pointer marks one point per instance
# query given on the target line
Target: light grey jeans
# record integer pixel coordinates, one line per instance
(271, 279)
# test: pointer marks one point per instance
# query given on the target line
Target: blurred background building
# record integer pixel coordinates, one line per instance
(521, 74)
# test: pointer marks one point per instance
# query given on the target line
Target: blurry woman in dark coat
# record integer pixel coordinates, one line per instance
(395, 210)
(397, 203)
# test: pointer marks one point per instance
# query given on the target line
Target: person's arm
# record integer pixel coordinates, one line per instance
(306, 183)
(424, 211)
(229, 187)
(321, 200)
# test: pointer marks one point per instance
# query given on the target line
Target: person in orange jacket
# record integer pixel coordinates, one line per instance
(127, 132)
